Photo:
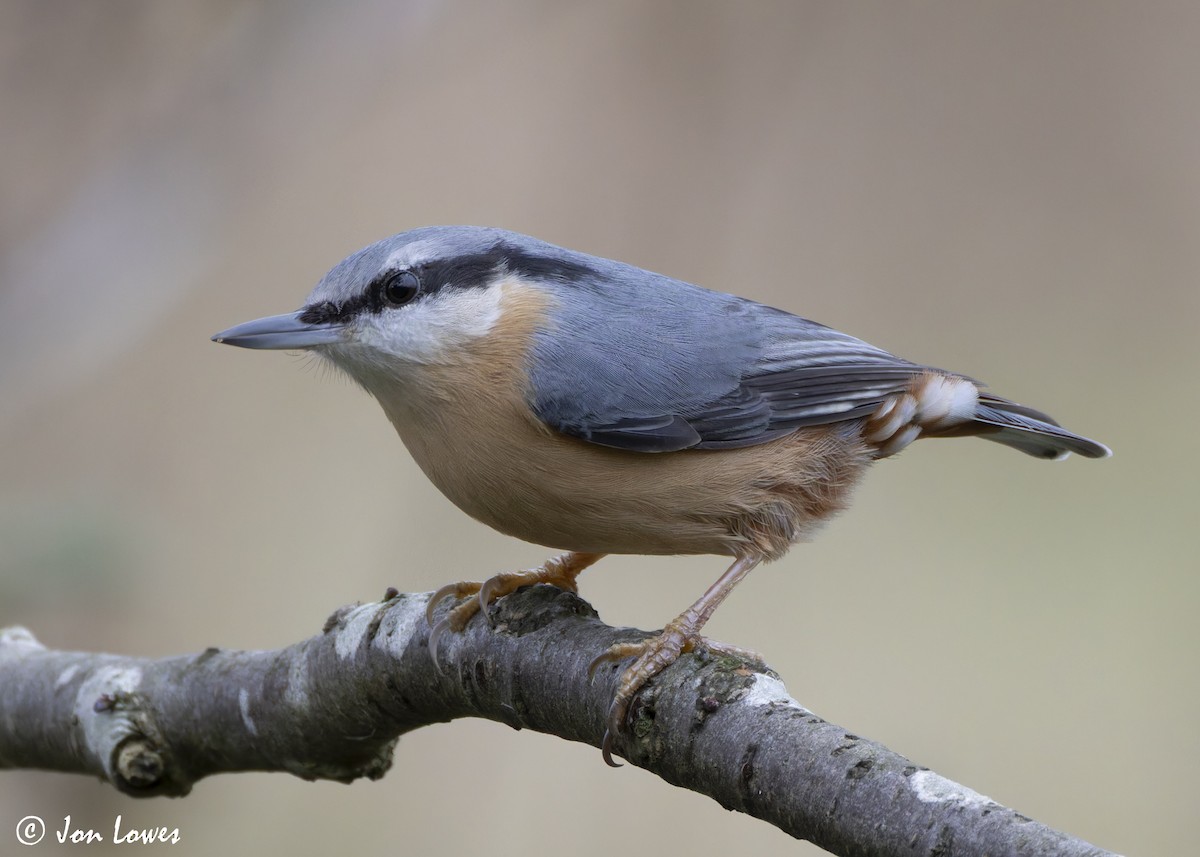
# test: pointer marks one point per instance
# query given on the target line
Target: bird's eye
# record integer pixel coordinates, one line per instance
(399, 288)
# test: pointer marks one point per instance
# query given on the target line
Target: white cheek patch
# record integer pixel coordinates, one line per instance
(432, 328)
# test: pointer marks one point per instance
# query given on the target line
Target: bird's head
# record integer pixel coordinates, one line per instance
(417, 298)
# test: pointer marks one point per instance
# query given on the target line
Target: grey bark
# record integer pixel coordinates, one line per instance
(333, 707)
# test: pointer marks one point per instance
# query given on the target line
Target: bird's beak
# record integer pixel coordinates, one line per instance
(281, 332)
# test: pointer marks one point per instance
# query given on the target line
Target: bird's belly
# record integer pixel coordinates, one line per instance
(526, 481)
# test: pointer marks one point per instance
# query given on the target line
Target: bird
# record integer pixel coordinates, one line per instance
(593, 407)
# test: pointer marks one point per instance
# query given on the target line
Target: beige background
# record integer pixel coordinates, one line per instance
(1011, 190)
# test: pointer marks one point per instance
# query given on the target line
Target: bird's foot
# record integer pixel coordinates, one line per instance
(652, 656)
(559, 571)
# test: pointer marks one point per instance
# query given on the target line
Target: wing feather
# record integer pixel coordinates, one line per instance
(709, 371)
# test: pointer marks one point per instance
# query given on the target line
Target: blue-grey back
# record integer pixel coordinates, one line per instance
(642, 361)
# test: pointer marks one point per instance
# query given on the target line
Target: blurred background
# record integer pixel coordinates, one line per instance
(1010, 190)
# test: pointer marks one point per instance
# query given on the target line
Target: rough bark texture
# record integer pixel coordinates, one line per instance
(333, 706)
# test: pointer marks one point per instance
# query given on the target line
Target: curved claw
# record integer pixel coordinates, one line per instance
(615, 653)
(437, 598)
(606, 750)
(604, 656)
(486, 598)
(440, 628)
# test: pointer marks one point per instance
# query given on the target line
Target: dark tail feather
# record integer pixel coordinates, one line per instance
(1030, 431)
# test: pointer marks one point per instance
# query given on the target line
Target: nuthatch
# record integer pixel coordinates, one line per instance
(591, 406)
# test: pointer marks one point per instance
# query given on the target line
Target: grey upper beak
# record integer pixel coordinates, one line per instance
(280, 332)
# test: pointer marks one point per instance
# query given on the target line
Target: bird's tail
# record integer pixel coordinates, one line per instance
(939, 404)
(1031, 431)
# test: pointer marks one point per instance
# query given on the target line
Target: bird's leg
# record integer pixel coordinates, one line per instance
(559, 571)
(657, 653)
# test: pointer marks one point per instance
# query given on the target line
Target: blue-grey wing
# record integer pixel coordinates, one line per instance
(700, 370)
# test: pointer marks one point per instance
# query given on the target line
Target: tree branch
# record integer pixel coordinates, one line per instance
(333, 707)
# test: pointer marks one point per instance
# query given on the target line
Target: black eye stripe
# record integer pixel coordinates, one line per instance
(471, 270)
(477, 269)
(327, 312)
